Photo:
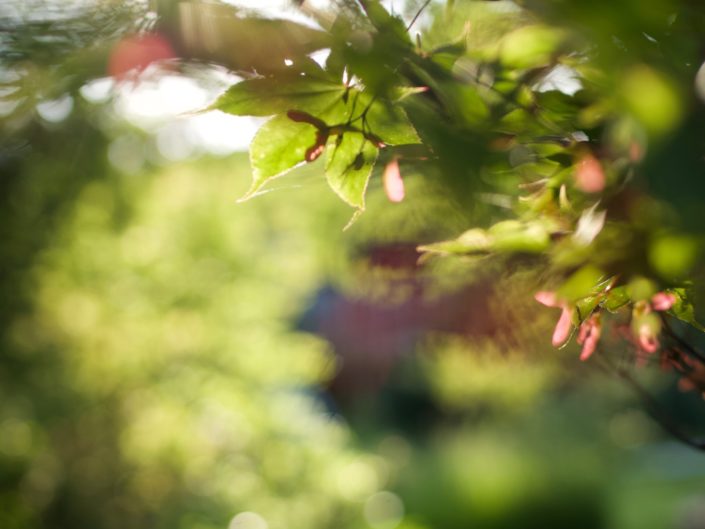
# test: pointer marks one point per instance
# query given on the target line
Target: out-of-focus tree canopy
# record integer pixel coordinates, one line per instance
(170, 358)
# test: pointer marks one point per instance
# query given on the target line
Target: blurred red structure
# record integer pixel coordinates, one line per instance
(371, 336)
(134, 54)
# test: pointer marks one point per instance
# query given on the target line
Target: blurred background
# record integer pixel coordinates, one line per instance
(172, 359)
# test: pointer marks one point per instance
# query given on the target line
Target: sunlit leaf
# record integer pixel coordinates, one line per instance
(349, 162)
(530, 46)
(268, 96)
(279, 145)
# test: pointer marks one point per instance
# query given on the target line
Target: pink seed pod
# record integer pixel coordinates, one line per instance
(313, 152)
(393, 183)
(562, 331)
(646, 339)
(547, 298)
(662, 301)
(589, 175)
(589, 335)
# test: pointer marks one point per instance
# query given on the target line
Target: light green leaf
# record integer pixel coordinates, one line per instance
(616, 299)
(349, 162)
(516, 236)
(510, 236)
(672, 256)
(320, 98)
(279, 146)
(584, 308)
(652, 98)
(641, 288)
(530, 238)
(505, 226)
(474, 241)
(581, 284)
(530, 46)
(268, 96)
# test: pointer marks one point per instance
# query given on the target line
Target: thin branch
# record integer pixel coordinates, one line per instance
(659, 415)
(682, 341)
(418, 14)
(654, 409)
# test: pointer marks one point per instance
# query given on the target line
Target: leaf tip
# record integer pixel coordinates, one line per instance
(353, 219)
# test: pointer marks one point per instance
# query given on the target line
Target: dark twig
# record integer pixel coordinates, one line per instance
(418, 14)
(655, 410)
(682, 341)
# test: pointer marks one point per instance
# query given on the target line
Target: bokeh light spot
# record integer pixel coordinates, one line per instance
(384, 510)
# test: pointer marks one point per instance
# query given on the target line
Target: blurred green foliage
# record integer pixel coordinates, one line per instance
(153, 367)
(156, 369)
(157, 380)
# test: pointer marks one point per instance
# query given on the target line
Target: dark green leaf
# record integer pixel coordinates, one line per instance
(386, 23)
(683, 309)
(390, 123)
